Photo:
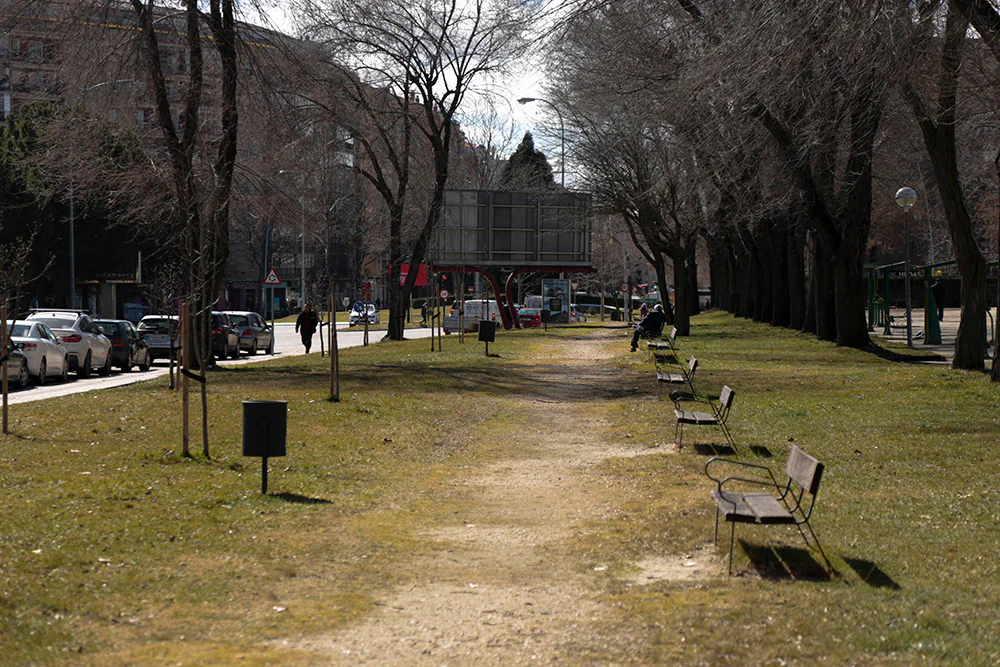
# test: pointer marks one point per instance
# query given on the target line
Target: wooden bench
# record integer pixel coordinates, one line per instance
(686, 376)
(718, 416)
(790, 503)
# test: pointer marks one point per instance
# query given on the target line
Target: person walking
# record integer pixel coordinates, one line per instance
(423, 314)
(651, 324)
(306, 324)
(938, 291)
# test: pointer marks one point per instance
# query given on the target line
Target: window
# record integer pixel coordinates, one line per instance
(36, 51)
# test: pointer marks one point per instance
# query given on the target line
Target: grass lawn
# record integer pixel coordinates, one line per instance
(116, 550)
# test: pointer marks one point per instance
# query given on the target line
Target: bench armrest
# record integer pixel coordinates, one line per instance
(740, 464)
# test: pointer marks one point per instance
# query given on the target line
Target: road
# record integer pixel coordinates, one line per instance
(286, 344)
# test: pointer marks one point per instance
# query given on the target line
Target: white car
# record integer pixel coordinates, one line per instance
(46, 356)
(88, 348)
(357, 315)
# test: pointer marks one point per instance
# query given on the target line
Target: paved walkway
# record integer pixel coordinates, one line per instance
(949, 331)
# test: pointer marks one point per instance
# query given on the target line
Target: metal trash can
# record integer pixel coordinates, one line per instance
(265, 425)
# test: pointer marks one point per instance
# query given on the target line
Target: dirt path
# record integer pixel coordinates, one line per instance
(505, 587)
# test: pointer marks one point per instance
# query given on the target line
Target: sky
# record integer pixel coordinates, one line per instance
(531, 117)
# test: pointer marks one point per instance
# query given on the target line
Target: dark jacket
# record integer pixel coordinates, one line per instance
(653, 322)
(307, 322)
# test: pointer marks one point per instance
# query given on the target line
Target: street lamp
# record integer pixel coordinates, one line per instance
(302, 204)
(562, 135)
(74, 302)
(907, 197)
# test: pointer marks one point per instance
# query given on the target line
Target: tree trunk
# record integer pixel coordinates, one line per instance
(661, 282)
(691, 250)
(763, 293)
(682, 301)
(825, 304)
(851, 301)
(797, 291)
(780, 290)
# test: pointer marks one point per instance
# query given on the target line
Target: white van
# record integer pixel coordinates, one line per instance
(475, 310)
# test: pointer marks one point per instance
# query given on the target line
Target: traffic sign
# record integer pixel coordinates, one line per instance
(445, 294)
(470, 289)
(625, 288)
(272, 278)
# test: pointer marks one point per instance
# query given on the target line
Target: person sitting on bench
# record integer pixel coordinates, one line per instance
(651, 325)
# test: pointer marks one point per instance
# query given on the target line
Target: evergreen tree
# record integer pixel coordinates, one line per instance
(527, 168)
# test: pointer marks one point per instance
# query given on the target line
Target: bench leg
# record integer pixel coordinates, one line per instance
(679, 434)
(818, 546)
(716, 538)
(729, 436)
(732, 538)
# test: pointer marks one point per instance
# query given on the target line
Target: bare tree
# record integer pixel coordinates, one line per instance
(415, 63)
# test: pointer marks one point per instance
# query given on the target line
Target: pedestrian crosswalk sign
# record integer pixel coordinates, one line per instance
(272, 278)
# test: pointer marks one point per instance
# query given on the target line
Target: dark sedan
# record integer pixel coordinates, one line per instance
(225, 338)
(128, 347)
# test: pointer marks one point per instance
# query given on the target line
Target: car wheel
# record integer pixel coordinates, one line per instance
(84, 370)
(23, 377)
(144, 366)
(65, 371)
(42, 370)
(253, 348)
(235, 353)
(129, 362)
(105, 370)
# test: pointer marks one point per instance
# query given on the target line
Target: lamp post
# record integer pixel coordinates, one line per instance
(73, 302)
(562, 135)
(907, 197)
(302, 205)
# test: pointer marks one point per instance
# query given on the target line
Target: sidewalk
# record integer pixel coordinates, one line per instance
(949, 331)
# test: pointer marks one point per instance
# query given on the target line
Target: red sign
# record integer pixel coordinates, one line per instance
(470, 289)
(404, 269)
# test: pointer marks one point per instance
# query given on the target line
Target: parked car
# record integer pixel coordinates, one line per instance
(87, 347)
(128, 348)
(225, 339)
(17, 367)
(255, 333)
(160, 334)
(45, 354)
(530, 317)
(358, 314)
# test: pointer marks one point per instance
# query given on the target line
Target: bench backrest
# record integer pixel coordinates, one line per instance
(726, 397)
(692, 366)
(804, 470)
(673, 335)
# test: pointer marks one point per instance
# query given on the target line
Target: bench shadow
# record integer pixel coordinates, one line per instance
(300, 500)
(761, 451)
(872, 574)
(890, 355)
(784, 563)
(713, 450)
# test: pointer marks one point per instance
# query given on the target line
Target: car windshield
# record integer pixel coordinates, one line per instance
(56, 323)
(158, 326)
(239, 320)
(20, 329)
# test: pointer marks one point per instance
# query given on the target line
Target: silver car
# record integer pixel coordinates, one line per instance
(86, 346)
(255, 333)
(46, 355)
(161, 335)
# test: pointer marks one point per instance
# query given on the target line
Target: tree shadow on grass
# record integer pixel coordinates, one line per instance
(872, 574)
(894, 356)
(784, 563)
(300, 500)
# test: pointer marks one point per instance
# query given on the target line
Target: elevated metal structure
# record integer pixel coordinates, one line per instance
(496, 233)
